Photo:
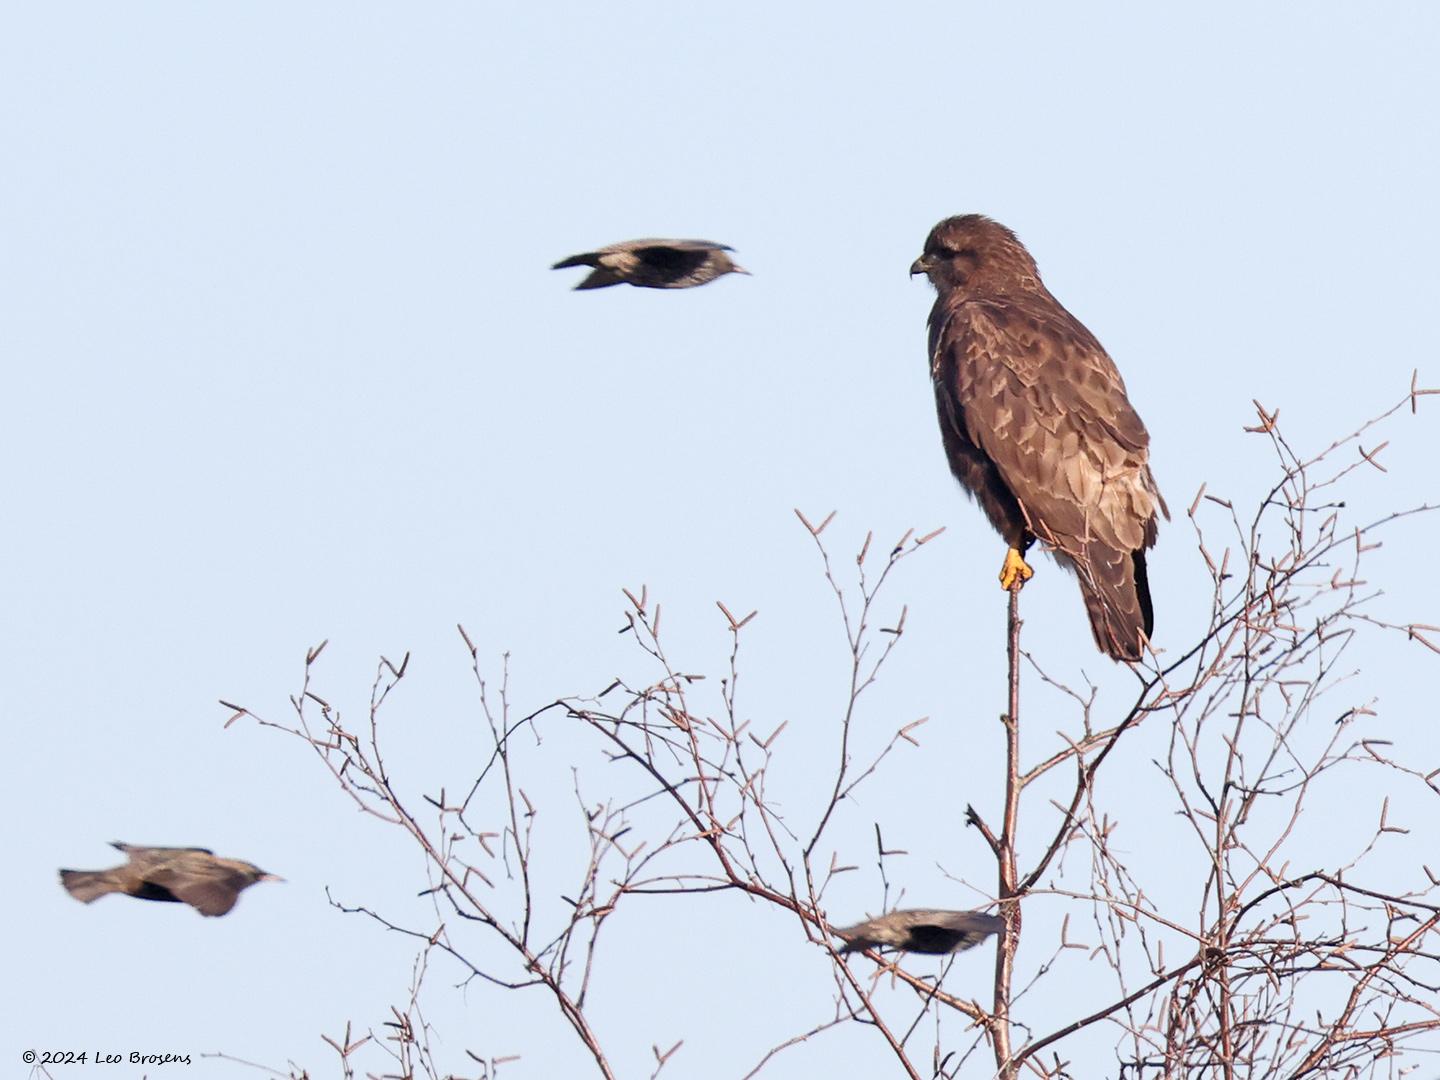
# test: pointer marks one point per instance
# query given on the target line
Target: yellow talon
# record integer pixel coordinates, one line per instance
(1015, 572)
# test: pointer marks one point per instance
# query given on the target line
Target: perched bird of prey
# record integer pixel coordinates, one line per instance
(1037, 427)
(654, 264)
(922, 930)
(193, 876)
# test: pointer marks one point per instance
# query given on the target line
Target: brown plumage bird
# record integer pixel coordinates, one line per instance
(1037, 427)
(654, 264)
(924, 930)
(194, 876)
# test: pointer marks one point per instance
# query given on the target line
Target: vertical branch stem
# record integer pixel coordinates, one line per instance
(1005, 854)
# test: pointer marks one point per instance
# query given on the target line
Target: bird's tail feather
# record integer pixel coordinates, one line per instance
(88, 886)
(587, 258)
(1142, 588)
(1117, 599)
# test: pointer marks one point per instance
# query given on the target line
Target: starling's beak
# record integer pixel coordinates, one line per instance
(736, 268)
(270, 877)
(921, 265)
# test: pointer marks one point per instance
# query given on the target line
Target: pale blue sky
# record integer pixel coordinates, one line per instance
(285, 362)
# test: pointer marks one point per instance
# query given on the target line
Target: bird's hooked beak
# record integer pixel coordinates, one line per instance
(921, 265)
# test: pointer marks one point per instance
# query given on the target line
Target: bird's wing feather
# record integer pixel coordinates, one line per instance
(671, 261)
(1035, 392)
(1045, 403)
(146, 857)
(210, 888)
(698, 245)
(662, 242)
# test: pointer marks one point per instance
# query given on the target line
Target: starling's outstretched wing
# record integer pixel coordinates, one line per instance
(142, 856)
(673, 262)
(651, 243)
(211, 886)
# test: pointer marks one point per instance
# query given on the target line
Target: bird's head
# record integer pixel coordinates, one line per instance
(253, 872)
(971, 251)
(728, 265)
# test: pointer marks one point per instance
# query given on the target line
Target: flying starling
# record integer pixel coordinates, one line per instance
(924, 931)
(194, 876)
(654, 264)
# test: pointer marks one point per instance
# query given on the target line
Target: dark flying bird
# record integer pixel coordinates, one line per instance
(194, 876)
(923, 930)
(654, 264)
(1037, 427)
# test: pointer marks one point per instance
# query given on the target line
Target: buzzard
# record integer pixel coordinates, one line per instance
(654, 264)
(1037, 427)
(194, 876)
(924, 930)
